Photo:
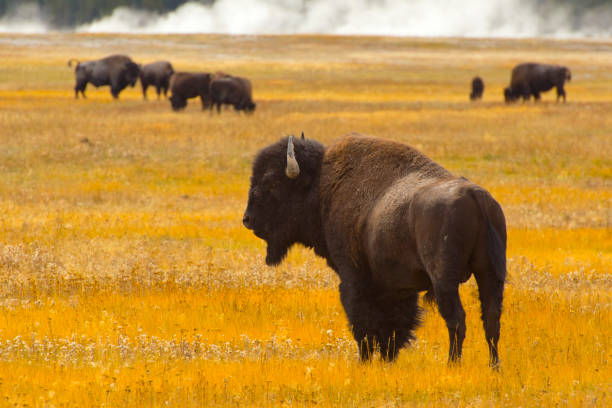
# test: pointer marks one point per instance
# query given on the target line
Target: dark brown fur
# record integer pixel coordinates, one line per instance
(186, 85)
(158, 75)
(118, 71)
(477, 88)
(531, 79)
(391, 223)
(232, 90)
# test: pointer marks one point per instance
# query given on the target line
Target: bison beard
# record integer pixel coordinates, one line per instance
(391, 223)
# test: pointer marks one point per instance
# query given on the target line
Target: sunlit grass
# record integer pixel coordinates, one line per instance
(129, 280)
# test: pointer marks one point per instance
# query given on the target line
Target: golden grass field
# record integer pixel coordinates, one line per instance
(127, 278)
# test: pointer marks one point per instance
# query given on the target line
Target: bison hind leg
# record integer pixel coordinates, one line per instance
(491, 294)
(449, 306)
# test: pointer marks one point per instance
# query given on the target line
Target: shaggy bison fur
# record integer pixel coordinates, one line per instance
(530, 79)
(391, 223)
(118, 71)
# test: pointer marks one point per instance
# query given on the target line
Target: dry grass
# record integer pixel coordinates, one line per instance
(128, 280)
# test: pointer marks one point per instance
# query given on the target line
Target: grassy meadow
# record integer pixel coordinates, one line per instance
(127, 278)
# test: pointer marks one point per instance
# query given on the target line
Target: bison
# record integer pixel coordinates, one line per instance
(477, 88)
(232, 90)
(156, 74)
(391, 223)
(185, 85)
(530, 79)
(118, 71)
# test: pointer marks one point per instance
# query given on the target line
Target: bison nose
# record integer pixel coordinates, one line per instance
(246, 221)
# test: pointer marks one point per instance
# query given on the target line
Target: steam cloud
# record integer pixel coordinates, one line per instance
(427, 18)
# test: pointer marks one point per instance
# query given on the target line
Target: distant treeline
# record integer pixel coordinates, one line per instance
(70, 13)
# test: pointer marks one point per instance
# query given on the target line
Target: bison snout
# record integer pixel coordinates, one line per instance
(246, 220)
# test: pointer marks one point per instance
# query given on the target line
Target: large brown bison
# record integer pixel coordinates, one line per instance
(118, 71)
(530, 79)
(232, 90)
(392, 223)
(157, 74)
(477, 88)
(186, 85)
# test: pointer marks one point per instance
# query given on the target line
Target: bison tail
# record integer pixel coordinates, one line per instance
(75, 60)
(496, 247)
(568, 74)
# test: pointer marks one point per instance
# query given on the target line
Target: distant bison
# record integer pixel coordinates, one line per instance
(118, 71)
(156, 74)
(477, 88)
(531, 79)
(392, 223)
(186, 85)
(232, 90)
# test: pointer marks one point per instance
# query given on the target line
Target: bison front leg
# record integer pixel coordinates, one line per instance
(380, 320)
(144, 85)
(352, 302)
(115, 92)
(560, 93)
(449, 305)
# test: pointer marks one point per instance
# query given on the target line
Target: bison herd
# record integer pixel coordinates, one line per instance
(218, 89)
(119, 72)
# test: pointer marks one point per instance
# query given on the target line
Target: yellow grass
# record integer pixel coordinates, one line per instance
(128, 279)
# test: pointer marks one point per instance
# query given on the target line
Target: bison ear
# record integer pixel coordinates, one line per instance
(302, 135)
(293, 169)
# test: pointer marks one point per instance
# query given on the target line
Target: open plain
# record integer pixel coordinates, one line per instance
(127, 278)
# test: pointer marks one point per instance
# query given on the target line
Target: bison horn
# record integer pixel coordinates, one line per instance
(293, 169)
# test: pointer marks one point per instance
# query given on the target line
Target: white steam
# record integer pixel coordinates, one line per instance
(25, 19)
(427, 18)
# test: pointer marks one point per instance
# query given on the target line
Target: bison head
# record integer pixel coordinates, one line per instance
(177, 102)
(509, 95)
(249, 107)
(283, 205)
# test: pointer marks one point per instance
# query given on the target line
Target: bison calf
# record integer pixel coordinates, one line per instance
(118, 71)
(391, 223)
(477, 88)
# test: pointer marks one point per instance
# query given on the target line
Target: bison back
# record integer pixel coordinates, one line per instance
(190, 85)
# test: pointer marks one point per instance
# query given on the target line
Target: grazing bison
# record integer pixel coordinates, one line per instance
(477, 88)
(185, 85)
(118, 71)
(156, 74)
(391, 223)
(531, 79)
(232, 90)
